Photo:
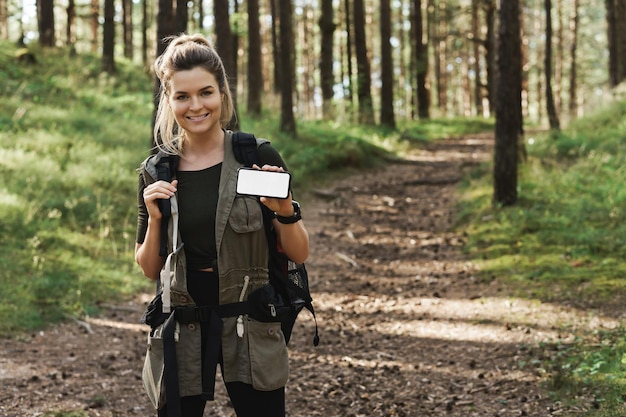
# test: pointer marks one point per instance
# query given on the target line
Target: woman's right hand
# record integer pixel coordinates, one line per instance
(159, 190)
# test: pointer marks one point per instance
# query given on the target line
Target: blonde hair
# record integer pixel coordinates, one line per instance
(186, 52)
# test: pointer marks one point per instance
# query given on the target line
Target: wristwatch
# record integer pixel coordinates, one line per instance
(296, 216)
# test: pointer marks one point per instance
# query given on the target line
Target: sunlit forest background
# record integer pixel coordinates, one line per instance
(340, 87)
(442, 52)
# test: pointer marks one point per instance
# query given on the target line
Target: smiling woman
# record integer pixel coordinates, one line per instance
(224, 262)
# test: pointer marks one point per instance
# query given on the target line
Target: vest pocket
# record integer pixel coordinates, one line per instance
(152, 373)
(269, 360)
(246, 215)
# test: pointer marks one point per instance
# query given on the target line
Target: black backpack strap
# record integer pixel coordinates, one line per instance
(245, 148)
(170, 371)
(166, 166)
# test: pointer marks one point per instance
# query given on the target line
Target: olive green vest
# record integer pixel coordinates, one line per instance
(259, 356)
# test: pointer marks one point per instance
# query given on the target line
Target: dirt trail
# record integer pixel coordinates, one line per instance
(406, 329)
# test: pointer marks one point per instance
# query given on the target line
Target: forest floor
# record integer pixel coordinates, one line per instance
(406, 328)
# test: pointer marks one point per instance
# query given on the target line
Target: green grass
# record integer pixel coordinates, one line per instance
(70, 141)
(564, 242)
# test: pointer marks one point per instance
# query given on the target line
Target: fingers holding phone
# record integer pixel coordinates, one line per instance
(269, 181)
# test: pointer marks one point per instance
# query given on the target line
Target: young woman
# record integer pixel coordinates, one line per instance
(220, 253)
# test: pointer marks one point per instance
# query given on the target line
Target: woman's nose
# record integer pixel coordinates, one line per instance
(195, 102)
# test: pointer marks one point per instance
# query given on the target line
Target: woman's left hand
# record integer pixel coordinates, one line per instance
(281, 206)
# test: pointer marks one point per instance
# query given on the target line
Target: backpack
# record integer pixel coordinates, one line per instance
(290, 280)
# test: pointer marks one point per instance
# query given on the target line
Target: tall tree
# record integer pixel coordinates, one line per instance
(182, 16)
(94, 24)
(364, 76)
(287, 119)
(276, 45)
(200, 4)
(225, 47)
(476, 42)
(490, 54)
(387, 116)
(4, 19)
(439, 34)
(255, 68)
(70, 29)
(327, 81)
(144, 32)
(550, 107)
(573, 87)
(127, 25)
(165, 27)
(349, 70)
(421, 61)
(45, 22)
(616, 27)
(108, 37)
(508, 104)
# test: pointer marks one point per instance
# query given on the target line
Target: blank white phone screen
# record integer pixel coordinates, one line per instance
(263, 183)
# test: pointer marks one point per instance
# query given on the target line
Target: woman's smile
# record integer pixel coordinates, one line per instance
(198, 118)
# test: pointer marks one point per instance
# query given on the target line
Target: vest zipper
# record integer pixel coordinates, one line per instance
(246, 281)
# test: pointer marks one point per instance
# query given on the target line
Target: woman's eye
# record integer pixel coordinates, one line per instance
(206, 93)
(181, 97)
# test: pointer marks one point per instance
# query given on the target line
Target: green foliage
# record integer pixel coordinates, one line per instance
(445, 128)
(69, 144)
(563, 242)
(589, 371)
(565, 237)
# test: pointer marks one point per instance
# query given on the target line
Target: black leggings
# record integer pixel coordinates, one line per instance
(247, 402)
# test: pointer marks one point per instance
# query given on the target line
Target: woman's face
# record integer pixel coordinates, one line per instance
(196, 101)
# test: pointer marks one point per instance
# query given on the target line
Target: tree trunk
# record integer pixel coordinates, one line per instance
(560, 59)
(616, 33)
(4, 19)
(287, 120)
(490, 55)
(127, 13)
(573, 87)
(305, 98)
(255, 68)
(421, 62)
(144, 33)
(224, 46)
(508, 105)
(387, 117)
(276, 45)
(70, 29)
(182, 15)
(327, 81)
(200, 15)
(439, 36)
(364, 76)
(108, 37)
(95, 24)
(349, 70)
(478, 92)
(550, 107)
(45, 23)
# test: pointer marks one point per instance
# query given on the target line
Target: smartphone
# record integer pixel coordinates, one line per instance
(263, 183)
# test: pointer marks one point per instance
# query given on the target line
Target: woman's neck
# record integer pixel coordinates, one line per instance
(201, 153)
